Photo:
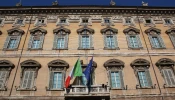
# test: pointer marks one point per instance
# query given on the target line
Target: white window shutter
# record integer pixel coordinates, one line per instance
(121, 79)
(30, 42)
(6, 42)
(148, 76)
(66, 41)
(166, 78)
(80, 40)
(51, 80)
(55, 41)
(115, 40)
(18, 38)
(172, 37)
(128, 41)
(139, 41)
(25, 79)
(161, 41)
(3, 77)
(151, 41)
(30, 79)
(110, 79)
(41, 41)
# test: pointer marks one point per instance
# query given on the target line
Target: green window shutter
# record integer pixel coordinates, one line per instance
(172, 37)
(115, 40)
(41, 41)
(121, 79)
(139, 41)
(18, 38)
(66, 41)
(148, 76)
(91, 40)
(151, 41)
(105, 41)
(128, 41)
(30, 79)
(55, 41)
(80, 38)
(30, 42)
(51, 80)
(6, 42)
(161, 41)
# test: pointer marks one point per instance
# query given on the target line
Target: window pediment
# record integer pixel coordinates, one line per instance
(151, 30)
(91, 31)
(33, 31)
(85, 65)
(6, 63)
(170, 31)
(30, 63)
(109, 29)
(165, 62)
(114, 63)
(61, 29)
(140, 62)
(15, 31)
(58, 63)
(130, 29)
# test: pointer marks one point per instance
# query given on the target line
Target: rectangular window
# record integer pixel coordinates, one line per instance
(169, 77)
(143, 79)
(128, 20)
(115, 80)
(156, 42)
(167, 21)
(84, 20)
(106, 20)
(110, 41)
(36, 44)
(12, 43)
(62, 20)
(134, 42)
(148, 21)
(41, 21)
(28, 79)
(19, 21)
(60, 43)
(85, 42)
(2, 78)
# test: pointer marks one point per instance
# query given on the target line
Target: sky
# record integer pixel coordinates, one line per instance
(168, 3)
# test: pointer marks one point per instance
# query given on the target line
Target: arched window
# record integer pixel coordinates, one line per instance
(115, 73)
(110, 38)
(5, 69)
(36, 38)
(171, 33)
(61, 38)
(155, 38)
(85, 38)
(167, 68)
(13, 39)
(29, 71)
(133, 38)
(141, 69)
(57, 70)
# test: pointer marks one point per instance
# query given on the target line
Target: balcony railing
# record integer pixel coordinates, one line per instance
(93, 89)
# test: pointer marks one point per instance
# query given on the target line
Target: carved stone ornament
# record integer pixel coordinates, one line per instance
(149, 30)
(127, 30)
(109, 28)
(61, 29)
(140, 64)
(91, 31)
(58, 63)
(15, 31)
(32, 31)
(6, 64)
(114, 64)
(85, 65)
(30, 63)
(165, 62)
(169, 31)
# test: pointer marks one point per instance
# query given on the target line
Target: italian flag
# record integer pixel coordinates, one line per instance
(76, 71)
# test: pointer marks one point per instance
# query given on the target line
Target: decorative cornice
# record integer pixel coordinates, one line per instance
(152, 29)
(114, 62)
(170, 30)
(140, 62)
(109, 28)
(10, 31)
(131, 29)
(6, 63)
(164, 62)
(58, 63)
(85, 28)
(30, 63)
(61, 29)
(38, 29)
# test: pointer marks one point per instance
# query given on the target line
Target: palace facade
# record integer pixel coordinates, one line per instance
(132, 48)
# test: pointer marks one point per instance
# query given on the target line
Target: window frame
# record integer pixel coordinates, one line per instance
(16, 24)
(171, 34)
(128, 24)
(151, 24)
(3, 22)
(59, 23)
(89, 23)
(40, 24)
(165, 78)
(170, 24)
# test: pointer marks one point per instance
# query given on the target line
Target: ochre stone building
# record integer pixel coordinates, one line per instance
(132, 48)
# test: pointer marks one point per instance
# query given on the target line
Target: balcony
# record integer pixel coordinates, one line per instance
(96, 90)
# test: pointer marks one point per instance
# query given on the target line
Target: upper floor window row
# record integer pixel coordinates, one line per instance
(85, 38)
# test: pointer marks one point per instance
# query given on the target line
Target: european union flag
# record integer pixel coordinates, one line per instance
(87, 73)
